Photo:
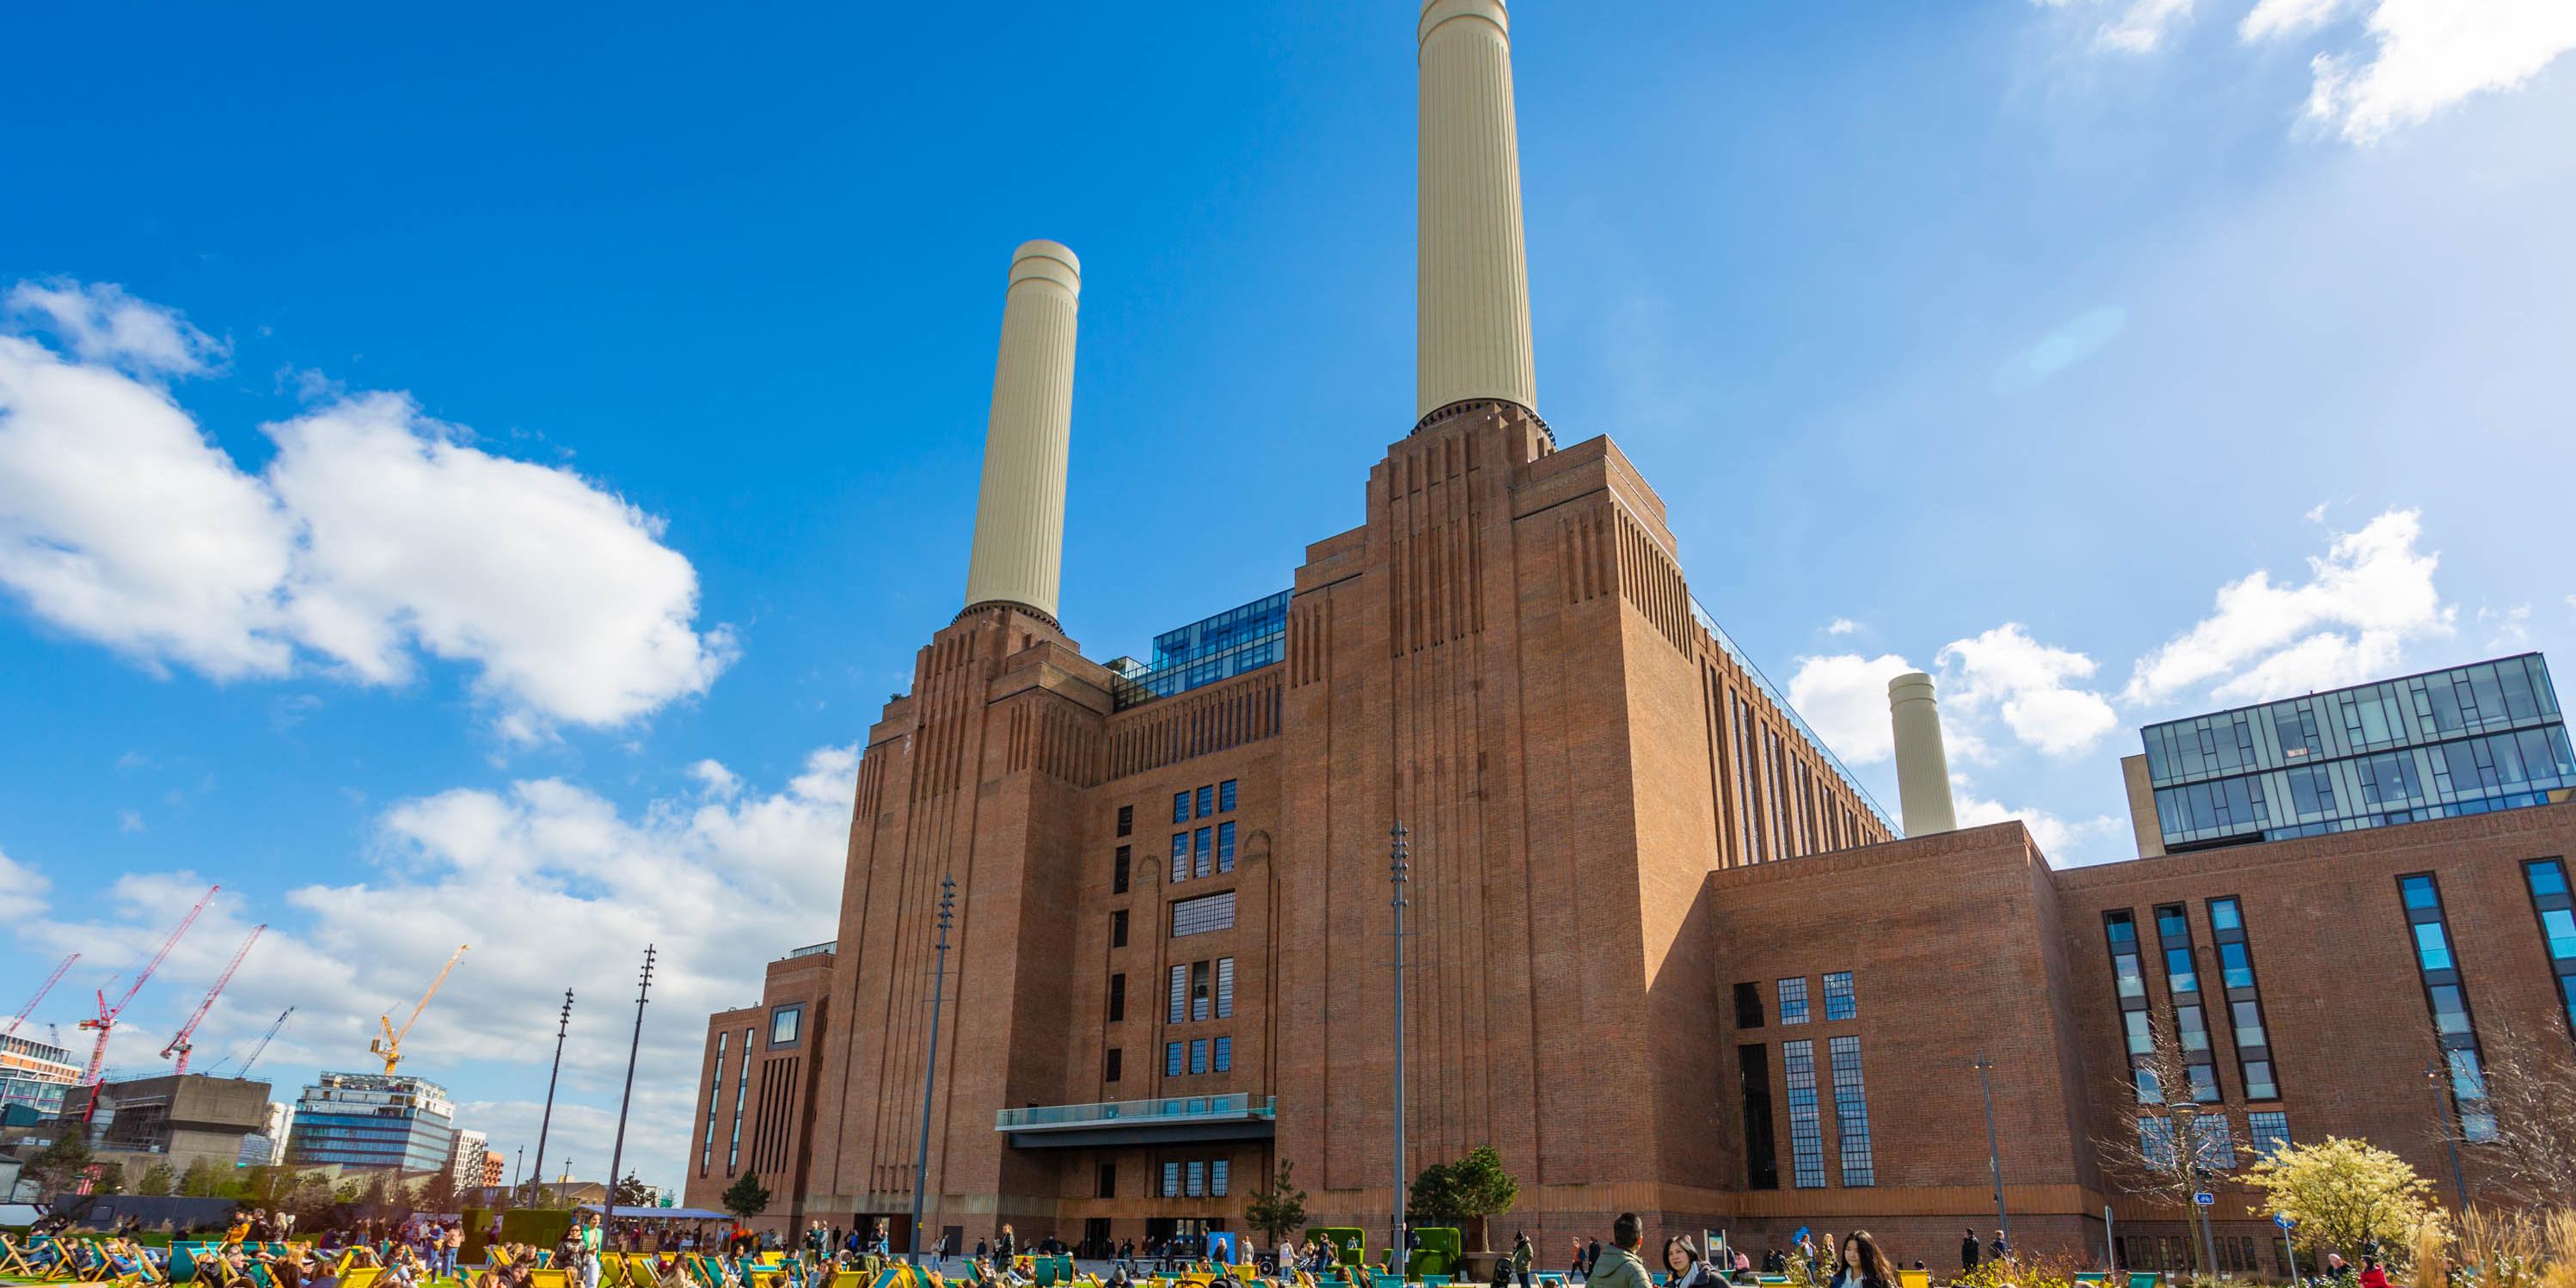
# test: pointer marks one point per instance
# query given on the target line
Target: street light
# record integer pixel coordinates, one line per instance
(1994, 1156)
(930, 1066)
(2187, 1115)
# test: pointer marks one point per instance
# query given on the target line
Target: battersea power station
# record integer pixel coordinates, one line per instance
(1662, 952)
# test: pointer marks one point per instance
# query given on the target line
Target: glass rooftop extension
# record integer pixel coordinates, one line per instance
(1168, 1110)
(1240, 639)
(2465, 740)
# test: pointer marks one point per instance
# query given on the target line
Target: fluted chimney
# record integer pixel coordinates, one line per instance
(1922, 767)
(1019, 517)
(1473, 337)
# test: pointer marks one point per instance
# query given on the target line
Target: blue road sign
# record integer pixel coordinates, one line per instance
(2284, 1222)
(2204, 1198)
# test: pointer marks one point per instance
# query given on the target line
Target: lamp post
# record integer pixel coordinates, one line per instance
(562, 1027)
(1399, 869)
(930, 1067)
(2187, 1140)
(1994, 1156)
(2450, 1139)
(617, 1152)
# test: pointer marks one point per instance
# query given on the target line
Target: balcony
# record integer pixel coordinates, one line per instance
(1169, 1120)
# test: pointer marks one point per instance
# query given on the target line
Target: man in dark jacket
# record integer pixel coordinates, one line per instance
(1968, 1250)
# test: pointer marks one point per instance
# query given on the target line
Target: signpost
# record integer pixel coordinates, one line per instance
(2285, 1223)
(2204, 1198)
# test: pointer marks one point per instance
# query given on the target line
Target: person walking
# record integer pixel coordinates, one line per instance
(1998, 1250)
(1592, 1255)
(1968, 1250)
(1574, 1268)
(1522, 1254)
(1860, 1264)
(1623, 1268)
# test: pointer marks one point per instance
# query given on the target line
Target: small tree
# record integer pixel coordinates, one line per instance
(157, 1180)
(200, 1180)
(2149, 1155)
(60, 1165)
(2530, 1086)
(633, 1192)
(1435, 1199)
(109, 1179)
(438, 1192)
(2345, 1193)
(1484, 1189)
(746, 1198)
(1279, 1208)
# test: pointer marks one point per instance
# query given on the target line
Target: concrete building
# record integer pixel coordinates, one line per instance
(36, 1074)
(466, 1164)
(178, 1119)
(369, 1120)
(1630, 866)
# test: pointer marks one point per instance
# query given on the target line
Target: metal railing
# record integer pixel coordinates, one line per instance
(1166, 1111)
(813, 950)
(1781, 700)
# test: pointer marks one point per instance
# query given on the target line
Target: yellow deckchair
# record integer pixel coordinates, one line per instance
(360, 1276)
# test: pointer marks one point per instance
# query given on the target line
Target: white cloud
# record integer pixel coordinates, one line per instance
(555, 887)
(2144, 24)
(1844, 699)
(2027, 683)
(1841, 626)
(2100, 839)
(2271, 18)
(2370, 596)
(128, 821)
(2316, 513)
(717, 780)
(373, 535)
(2508, 629)
(22, 889)
(104, 325)
(2427, 55)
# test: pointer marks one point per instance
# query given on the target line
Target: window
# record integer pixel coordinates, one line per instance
(1201, 852)
(1217, 1178)
(1112, 1065)
(2269, 1132)
(1840, 1004)
(1793, 1000)
(715, 1092)
(1117, 997)
(1761, 1151)
(2244, 999)
(1179, 1009)
(1851, 1111)
(1106, 1186)
(741, 1084)
(1224, 1055)
(2446, 995)
(2215, 1142)
(1198, 1055)
(784, 1024)
(1198, 1179)
(1171, 1059)
(1225, 846)
(2191, 1015)
(1748, 1006)
(1126, 820)
(1118, 929)
(2156, 1141)
(1225, 800)
(1202, 991)
(1171, 1180)
(2549, 897)
(1180, 857)
(1180, 807)
(1118, 872)
(1806, 1131)
(1207, 801)
(1202, 915)
(1225, 988)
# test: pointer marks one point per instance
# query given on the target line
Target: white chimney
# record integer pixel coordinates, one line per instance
(1922, 768)
(1473, 336)
(1019, 517)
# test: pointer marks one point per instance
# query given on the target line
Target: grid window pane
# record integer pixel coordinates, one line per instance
(1207, 801)
(1840, 1002)
(1806, 1130)
(1198, 1179)
(1793, 1000)
(1225, 846)
(1851, 1112)
(2269, 1132)
(1224, 988)
(1198, 1055)
(1202, 853)
(1217, 1169)
(1171, 1059)
(1225, 797)
(1180, 857)
(1180, 807)
(1180, 994)
(1171, 1180)
(1224, 1055)
(1202, 915)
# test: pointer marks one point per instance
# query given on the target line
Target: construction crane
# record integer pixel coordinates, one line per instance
(390, 1045)
(41, 990)
(181, 1043)
(106, 1021)
(262, 1049)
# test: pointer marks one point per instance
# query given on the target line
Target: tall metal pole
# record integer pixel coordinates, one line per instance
(519, 1170)
(2450, 1138)
(617, 1152)
(930, 1068)
(1994, 1155)
(1399, 869)
(543, 1124)
(2187, 1139)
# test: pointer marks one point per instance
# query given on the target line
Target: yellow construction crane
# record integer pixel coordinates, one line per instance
(390, 1045)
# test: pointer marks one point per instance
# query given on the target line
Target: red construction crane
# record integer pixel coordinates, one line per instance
(106, 1021)
(41, 990)
(179, 1043)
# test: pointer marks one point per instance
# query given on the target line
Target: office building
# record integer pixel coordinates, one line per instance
(35, 1074)
(368, 1120)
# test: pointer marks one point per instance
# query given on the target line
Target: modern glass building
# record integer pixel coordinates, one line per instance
(35, 1074)
(372, 1120)
(1240, 639)
(2466, 740)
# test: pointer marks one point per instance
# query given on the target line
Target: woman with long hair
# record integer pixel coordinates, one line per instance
(1861, 1265)
(1682, 1259)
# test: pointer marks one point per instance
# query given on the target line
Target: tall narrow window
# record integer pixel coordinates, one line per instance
(1198, 1055)
(1112, 1064)
(1224, 1054)
(1171, 1059)
(1180, 807)
(1748, 1005)
(1202, 991)
(1806, 1126)
(1225, 988)
(1217, 1178)
(1207, 800)
(715, 1092)
(1793, 1000)
(1203, 853)
(1225, 846)
(1198, 1179)
(1171, 1180)
(2244, 1000)
(1761, 1150)
(2549, 897)
(1180, 857)
(2129, 989)
(2191, 1014)
(741, 1083)
(2446, 995)
(1178, 1011)
(1840, 1003)
(1225, 797)
(1117, 997)
(1126, 820)
(1118, 872)
(1851, 1112)
(1118, 929)
(2268, 1131)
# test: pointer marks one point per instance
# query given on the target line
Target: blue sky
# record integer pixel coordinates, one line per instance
(477, 481)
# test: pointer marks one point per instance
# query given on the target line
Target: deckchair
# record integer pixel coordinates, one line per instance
(545, 1278)
(1914, 1278)
(2144, 1279)
(13, 1259)
(361, 1276)
(849, 1279)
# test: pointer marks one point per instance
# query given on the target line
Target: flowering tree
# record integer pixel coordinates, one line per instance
(2344, 1194)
